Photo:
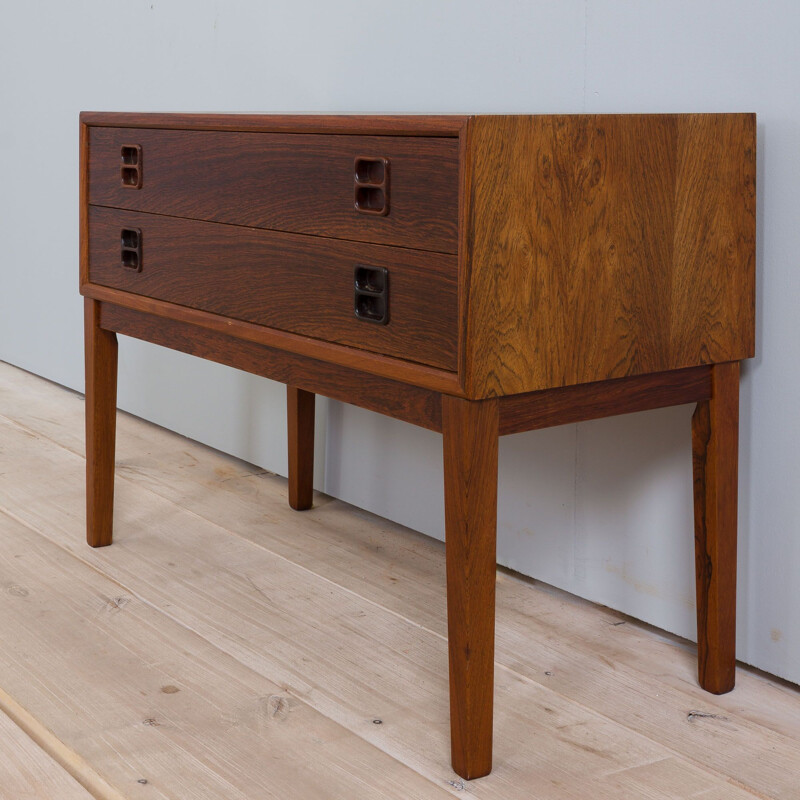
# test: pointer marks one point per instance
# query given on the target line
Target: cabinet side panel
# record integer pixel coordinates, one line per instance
(713, 297)
(597, 251)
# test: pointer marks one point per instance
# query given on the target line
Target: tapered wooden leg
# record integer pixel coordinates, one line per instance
(101, 418)
(470, 431)
(715, 438)
(300, 410)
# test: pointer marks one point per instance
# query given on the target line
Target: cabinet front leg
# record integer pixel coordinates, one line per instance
(470, 433)
(715, 440)
(101, 421)
(300, 419)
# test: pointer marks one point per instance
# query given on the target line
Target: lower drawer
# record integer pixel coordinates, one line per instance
(296, 283)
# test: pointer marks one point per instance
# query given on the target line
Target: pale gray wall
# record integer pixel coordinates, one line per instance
(602, 509)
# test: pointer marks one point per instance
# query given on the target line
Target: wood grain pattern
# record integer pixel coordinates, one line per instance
(715, 443)
(713, 287)
(606, 246)
(301, 284)
(403, 401)
(301, 183)
(372, 124)
(101, 417)
(470, 442)
(543, 409)
(361, 360)
(300, 425)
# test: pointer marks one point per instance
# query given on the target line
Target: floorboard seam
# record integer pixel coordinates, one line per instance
(70, 761)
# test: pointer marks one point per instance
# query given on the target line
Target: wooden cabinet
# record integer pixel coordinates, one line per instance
(476, 275)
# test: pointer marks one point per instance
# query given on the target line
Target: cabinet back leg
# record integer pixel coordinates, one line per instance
(715, 437)
(300, 425)
(470, 440)
(101, 418)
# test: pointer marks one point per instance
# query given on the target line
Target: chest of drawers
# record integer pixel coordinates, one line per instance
(475, 275)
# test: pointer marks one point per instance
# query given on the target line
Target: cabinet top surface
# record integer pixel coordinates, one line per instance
(394, 125)
(376, 124)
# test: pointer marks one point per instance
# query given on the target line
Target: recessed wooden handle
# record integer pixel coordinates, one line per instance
(131, 249)
(372, 185)
(130, 170)
(372, 294)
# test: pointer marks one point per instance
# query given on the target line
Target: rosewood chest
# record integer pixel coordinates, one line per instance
(475, 275)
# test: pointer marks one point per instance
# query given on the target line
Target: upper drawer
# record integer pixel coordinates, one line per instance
(303, 183)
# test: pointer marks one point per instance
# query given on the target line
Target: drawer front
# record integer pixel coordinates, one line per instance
(296, 283)
(302, 183)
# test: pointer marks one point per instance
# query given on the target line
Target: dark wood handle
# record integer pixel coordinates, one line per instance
(130, 170)
(372, 185)
(130, 256)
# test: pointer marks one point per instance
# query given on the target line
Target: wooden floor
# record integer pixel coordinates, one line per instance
(227, 648)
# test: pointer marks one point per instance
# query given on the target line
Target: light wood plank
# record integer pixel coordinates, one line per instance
(28, 773)
(669, 780)
(353, 660)
(157, 710)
